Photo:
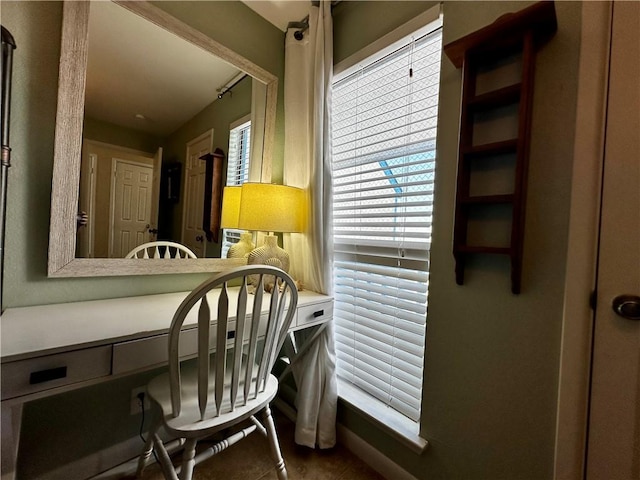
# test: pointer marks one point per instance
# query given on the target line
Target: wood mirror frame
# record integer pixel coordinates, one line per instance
(68, 144)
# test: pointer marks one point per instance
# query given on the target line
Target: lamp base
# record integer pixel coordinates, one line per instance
(268, 254)
(242, 248)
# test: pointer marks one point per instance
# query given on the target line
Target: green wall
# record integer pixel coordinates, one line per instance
(357, 24)
(217, 115)
(492, 358)
(36, 29)
(106, 132)
(239, 28)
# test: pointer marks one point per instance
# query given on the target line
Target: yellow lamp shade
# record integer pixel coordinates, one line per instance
(230, 207)
(272, 208)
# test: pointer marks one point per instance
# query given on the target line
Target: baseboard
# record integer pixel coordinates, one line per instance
(373, 457)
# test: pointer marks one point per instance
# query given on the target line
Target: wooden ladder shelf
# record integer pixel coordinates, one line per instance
(514, 35)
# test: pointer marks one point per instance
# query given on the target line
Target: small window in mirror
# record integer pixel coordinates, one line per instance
(237, 170)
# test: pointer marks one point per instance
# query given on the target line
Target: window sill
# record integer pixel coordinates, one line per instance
(385, 418)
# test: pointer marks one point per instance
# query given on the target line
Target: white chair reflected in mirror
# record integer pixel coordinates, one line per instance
(161, 249)
(230, 382)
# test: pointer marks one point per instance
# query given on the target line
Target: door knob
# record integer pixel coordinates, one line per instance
(199, 238)
(627, 306)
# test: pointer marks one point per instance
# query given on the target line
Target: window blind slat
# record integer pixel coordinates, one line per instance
(393, 176)
(349, 172)
(417, 184)
(349, 159)
(371, 199)
(342, 267)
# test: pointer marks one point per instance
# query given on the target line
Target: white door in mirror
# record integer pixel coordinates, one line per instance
(192, 233)
(131, 206)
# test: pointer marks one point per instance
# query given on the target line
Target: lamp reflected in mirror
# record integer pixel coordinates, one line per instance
(229, 220)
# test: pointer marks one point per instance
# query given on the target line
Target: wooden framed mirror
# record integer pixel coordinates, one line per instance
(63, 261)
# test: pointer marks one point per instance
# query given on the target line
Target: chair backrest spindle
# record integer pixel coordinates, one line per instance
(221, 346)
(253, 338)
(153, 250)
(269, 339)
(204, 326)
(241, 317)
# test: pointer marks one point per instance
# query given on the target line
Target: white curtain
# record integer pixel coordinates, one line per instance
(307, 157)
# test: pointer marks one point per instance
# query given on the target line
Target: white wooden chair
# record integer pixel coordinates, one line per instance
(161, 249)
(230, 381)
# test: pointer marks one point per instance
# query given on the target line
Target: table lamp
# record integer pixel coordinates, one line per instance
(229, 219)
(272, 208)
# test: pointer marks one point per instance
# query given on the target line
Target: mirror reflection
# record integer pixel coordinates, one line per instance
(154, 105)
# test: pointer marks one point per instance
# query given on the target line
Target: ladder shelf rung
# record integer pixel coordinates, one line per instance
(496, 98)
(488, 149)
(477, 249)
(487, 199)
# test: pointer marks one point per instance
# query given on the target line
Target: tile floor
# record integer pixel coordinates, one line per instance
(250, 460)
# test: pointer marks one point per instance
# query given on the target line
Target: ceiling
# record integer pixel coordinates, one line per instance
(280, 12)
(136, 68)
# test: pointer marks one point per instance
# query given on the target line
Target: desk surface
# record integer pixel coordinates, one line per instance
(32, 331)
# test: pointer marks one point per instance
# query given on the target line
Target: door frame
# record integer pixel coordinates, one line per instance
(155, 204)
(87, 236)
(581, 268)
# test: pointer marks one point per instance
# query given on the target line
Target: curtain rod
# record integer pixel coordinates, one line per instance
(303, 24)
(227, 88)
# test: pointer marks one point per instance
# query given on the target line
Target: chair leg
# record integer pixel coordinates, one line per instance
(274, 445)
(143, 460)
(163, 458)
(188, 459)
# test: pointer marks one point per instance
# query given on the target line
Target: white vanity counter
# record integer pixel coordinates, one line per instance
(48, 349)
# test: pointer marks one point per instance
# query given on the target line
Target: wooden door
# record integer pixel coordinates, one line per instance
(192, 232)
(132, 194)
(614, 422)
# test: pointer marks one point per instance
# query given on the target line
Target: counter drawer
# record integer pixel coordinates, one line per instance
(42, 373)
(150, 352)
(315, 313)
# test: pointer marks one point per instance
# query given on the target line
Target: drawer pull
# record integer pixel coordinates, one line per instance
(317, 314)
(47, 375)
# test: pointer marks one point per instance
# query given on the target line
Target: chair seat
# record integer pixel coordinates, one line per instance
(188, 422)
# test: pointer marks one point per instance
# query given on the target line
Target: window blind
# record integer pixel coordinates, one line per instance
(383, 143)
(237, 172)
(239, 154)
